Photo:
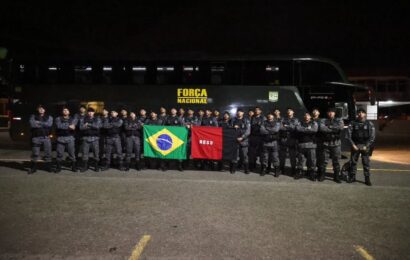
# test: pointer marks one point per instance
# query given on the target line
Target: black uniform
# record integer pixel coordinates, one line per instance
(256, 140)
(190, 121)
(208, 121)
(90, 132)
(270, 152)
(113, 127)
(362, 134)
(103, 139)
(78, 135)
(133, 141)
(288, 142)
(329, 145)
(306, 132)
(40, 132)
(243, 130)
(65, 140)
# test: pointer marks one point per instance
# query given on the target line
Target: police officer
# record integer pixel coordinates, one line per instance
(113, 140)
(361, 134)
(256, 140)
(123, 116)
(288, 141)
(40, 124)
(181, 114)
(174, 120)
(208, 120)
(306, 131)
(225, 122)
(276, 114)
(201, 114)
(251, 113)
(217, 116)
(133, 128)
(105, 117)
(90, 130)
(316, 117)
(153, 162)
(143, 115)
(315, 114)
(189, 121)
(82, 112)
(270, 152)
(329, 144)
(65, 131)
(243, 130)
(162, 114)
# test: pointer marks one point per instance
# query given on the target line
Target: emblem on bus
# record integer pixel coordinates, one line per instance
(273, 96)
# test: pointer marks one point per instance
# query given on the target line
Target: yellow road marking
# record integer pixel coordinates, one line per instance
(363, 253)
(136, 253)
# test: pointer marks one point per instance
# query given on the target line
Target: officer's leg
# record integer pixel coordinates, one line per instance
(233, 164)
(322, 163)
(244, 157)
(129, 142)
(71, 155)
(35, 155)
(96, 152)
(264, 159)
(47, 153)
(335, 153)
(85, 145)
(282, 157)
(300, 162)
(60, 155)
(118, 151)
(311, 163)
(354, 157)
(366, 167)
(293, 154)
(108, 153)
(275, 159)
(137, 151)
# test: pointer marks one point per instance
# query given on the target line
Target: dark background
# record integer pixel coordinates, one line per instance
(354, 33)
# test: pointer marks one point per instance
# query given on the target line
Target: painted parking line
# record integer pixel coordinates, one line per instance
(363, 253)
(139, 248)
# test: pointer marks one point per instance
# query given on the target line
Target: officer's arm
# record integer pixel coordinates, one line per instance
(264, 130)
(106, 124)
(49, 122)
(324, 128)
(314, 128)
(247, 131)
(349, 134)
(33, 122)
(216, 121)
(60, 125)
(276, 128)
(82, 125)
(97, 124)
(75, 121)
(372, 136)
(118, 123)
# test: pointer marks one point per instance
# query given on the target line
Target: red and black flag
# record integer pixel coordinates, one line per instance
(213, 143)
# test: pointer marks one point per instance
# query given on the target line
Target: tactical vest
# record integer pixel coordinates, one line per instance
(307, 137)
(256, 123)
(133, 132)
(172, 121)
(360, 132)
(242, 126)
(42, 131)
(208, 121)
(333, 136)
(114, 131)
(271, 136)
(91, 131)
(65, 132)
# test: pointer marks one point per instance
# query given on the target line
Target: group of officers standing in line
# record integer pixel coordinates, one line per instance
(272, 139)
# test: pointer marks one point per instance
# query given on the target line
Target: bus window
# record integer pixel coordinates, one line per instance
(317, 73)
(53, 74)
(273, 73)
(192, 74)
(227, 73)
(166, 75)
(138, 74)
(107, 75)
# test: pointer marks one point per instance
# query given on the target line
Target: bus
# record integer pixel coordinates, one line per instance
(224, 83)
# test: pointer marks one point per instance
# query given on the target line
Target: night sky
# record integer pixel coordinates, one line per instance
(354, 33)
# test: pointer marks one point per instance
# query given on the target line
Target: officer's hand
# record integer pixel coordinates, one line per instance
(72, 127)
(236, 126)
(355, 147)
(239, 139)
(364, 148)
(188, 126)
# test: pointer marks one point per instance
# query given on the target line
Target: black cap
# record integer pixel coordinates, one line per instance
(227, 112)
(331, 109)
(361, 110)
(239, 110)
(90, 109)
(40, 106)
(82, 106)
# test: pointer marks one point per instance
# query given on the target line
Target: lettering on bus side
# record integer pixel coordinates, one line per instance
(192, 96)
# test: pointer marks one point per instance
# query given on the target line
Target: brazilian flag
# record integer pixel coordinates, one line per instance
(166, 142)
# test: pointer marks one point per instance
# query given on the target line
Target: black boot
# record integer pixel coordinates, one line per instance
(58, 167)
(276, 172)
(120, 165)
(84, 166)
(106, 166)
(220, 166)
(180, 167)
(73, 166)
(312, 175)
(246, 168)
(126, 166)
(367, 181)
(297, 174)
(321, 176)
(49, 166)
(294, 173)
(282, 170)
(262, 171)
(232, 168)
(137, 166)
(33, 168)
(336, 177)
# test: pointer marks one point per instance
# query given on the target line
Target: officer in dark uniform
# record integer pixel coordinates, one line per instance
(181, 114)
(276, 114)
(174, 120)
(143, 116)
(82, 112)
(329, 144)
(306, 131)
(361, 134)
(189, 121)
(201, 114)
(316, 117)
(133, 128)
(153, 162)
(256, 139)
(208, 120)
(105, 117)
(243, 130)
(225, 122)
(65, 131)
(270, 153)
(123, 116)
(162, 114)
(90, 131)
(40, 124)
(217, 116)
(113, 139)
(251, 113)
(288, 141)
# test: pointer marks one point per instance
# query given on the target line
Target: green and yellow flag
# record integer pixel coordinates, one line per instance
(166, 142)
